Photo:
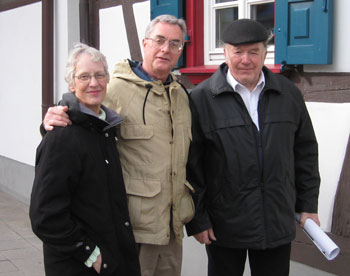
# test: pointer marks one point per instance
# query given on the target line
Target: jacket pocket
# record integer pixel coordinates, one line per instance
(143, 199)
(220, 124)
(136, 145)
(283, 126)
(136, 132)
(186, 204)
(280, 117)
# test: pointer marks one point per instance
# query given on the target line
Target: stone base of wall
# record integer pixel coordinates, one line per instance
(16, 178)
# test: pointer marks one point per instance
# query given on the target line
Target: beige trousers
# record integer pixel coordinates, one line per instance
(161, 260)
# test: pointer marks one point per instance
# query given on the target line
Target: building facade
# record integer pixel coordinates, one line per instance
(37, 36)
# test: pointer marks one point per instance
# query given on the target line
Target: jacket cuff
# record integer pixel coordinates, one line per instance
(309, 206)
(197, 225)
(42, 130)
(93, 257)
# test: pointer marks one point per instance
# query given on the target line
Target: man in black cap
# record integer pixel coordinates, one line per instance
(253, 160)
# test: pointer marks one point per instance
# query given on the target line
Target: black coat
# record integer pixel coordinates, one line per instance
(249, 183)
(78, 199)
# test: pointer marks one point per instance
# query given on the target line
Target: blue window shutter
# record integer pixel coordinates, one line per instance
(173, 7)
(303, 31)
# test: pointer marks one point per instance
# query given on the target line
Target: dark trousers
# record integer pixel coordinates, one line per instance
(224, 261)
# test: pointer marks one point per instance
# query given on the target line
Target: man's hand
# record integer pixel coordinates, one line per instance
(56, 116)
(313, 216)
(206, 236)
(97, 264)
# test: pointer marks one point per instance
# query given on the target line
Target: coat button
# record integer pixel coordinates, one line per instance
(127, 224)
(106, 134)
(87, 248)
(105, 266)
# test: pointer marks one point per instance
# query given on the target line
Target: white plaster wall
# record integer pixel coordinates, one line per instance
(20, 53)
(331, 123)
(20, 93)
(61, 47)
(113, 39)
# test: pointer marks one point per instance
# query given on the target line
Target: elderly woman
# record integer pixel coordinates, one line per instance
(78, 204)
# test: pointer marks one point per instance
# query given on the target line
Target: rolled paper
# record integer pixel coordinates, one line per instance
(324, 243)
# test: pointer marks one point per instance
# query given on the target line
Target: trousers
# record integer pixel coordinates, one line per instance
(161, 260)
(224, 261)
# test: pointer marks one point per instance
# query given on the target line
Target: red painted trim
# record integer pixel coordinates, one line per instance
(195, 30)
(197, 74)
(200, 69)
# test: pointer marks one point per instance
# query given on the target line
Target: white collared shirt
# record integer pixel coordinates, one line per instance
(250, 99)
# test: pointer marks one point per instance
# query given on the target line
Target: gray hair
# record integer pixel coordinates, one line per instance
(78, 49)
(166, 18)
(269, 37)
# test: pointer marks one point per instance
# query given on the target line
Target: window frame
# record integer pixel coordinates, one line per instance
(214, 55)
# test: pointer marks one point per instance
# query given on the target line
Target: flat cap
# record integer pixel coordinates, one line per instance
(244, 31)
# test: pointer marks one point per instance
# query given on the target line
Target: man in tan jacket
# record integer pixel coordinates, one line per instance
(153, 143)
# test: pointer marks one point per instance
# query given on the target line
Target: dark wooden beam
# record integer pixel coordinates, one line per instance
(322, 87)
(131, 30)
(84, 21)
(341, 212)
(47, 55)
(12, 4)
(112, 3)
(89, 20)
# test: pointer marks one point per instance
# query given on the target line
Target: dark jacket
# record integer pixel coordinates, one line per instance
(78, 199)
(249, 183)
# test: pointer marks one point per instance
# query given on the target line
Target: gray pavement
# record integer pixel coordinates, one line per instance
(21, 250)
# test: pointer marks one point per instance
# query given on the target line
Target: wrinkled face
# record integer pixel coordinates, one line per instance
(159, 60)
(90, 82)
(245, 62)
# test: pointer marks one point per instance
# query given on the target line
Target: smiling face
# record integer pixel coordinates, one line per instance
(246, 62)
(159, 61)
(92, 91)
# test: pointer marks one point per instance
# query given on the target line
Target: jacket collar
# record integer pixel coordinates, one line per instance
(80, 114)
(219, 85)
(136, 66)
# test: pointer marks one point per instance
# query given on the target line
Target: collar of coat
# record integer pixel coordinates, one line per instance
(124, 70)
(80, 114)
(219, 85)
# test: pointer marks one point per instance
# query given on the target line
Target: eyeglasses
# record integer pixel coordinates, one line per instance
(175, 46)
(88, 77)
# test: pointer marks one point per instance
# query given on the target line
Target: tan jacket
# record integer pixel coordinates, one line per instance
(153, 144)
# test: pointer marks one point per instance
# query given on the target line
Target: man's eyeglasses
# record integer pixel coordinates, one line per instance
(175, 46)
(88, 77)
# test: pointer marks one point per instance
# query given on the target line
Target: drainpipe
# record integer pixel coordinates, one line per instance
(47, 55)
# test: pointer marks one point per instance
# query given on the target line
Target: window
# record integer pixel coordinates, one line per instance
(219, 13)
